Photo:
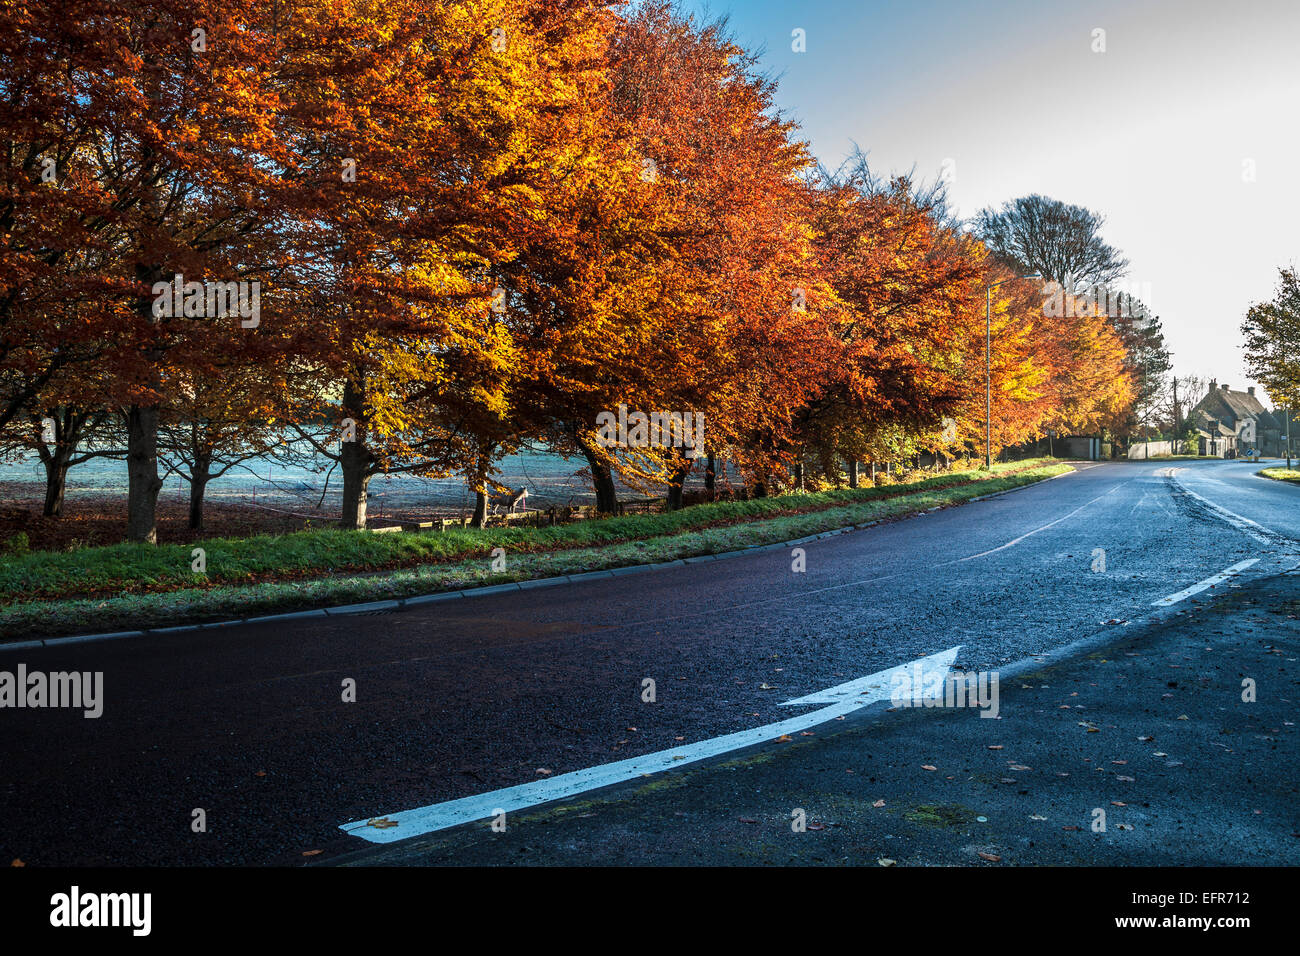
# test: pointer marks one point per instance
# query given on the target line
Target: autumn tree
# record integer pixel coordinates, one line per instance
(1272, 341)
(674, 292)
(907, 281)
(445, 127)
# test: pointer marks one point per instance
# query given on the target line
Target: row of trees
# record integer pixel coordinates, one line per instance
(481, 223)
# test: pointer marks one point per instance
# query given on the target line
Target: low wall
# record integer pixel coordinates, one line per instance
(1150, 449)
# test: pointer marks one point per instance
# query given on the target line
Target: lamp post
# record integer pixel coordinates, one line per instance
(988, 378)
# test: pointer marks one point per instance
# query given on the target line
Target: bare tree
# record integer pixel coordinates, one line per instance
(1037, 234)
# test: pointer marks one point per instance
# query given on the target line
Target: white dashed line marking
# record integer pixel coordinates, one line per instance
(1207, 583)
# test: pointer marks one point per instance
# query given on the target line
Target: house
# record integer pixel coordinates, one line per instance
(1231, 423)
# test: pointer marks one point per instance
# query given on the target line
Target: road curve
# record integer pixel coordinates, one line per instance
(249, 723)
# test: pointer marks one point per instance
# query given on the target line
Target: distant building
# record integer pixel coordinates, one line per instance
(1231, 423)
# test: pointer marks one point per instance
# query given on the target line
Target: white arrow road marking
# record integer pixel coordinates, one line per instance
(439, 816)
(874, 687)
(1207, 583)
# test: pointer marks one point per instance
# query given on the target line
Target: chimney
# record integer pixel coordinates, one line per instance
(1250, 390)
(1224, 387)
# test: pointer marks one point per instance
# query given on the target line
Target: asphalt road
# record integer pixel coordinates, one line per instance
(249, 723)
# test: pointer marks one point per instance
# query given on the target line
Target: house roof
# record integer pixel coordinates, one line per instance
(1226, 405)
(1208, 425)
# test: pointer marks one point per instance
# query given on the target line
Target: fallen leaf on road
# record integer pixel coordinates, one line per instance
(995, 746)
(885, 861)
(381, 823)
(816, 826)
(784, 738)
(879, 803)
(991, 857)
(17, 862)
(545, 771)
(1183, 717)
(1019, 766)
(1118, 803)
(1037, 816)
(1123, 826)
(926, 766)
(1010, 780)
(1119, 761)
(1069, 828)
(747, 820)
(1124, 779)
(260, 773)
(311, 852)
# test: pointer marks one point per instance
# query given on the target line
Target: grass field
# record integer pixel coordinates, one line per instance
(129, 586)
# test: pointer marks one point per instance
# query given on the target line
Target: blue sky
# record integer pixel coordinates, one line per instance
(1159, 133)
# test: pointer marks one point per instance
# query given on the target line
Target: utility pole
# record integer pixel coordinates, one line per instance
(1178, 411)
(1288, 438)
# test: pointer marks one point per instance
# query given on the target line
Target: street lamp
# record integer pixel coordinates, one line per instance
(988, 379)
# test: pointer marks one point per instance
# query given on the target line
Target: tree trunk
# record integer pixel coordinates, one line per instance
(56, 480)
(873, 474)
(676, 483)
(198, 485)
(355, 483)
(710, 472)
(602, 479)
(853, 474)
(354, 460)
(798, 476)
(143, 483)
(479, 520)
(67, 433)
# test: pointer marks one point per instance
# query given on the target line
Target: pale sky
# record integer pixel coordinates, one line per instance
(1158, 133)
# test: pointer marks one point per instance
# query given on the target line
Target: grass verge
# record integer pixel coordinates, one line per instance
(1281, 474)
(129, 586)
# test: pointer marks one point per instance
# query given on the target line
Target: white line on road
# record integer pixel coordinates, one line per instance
(1207, 583)
(1245, 525)
(1027, 534)
(439, 816)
